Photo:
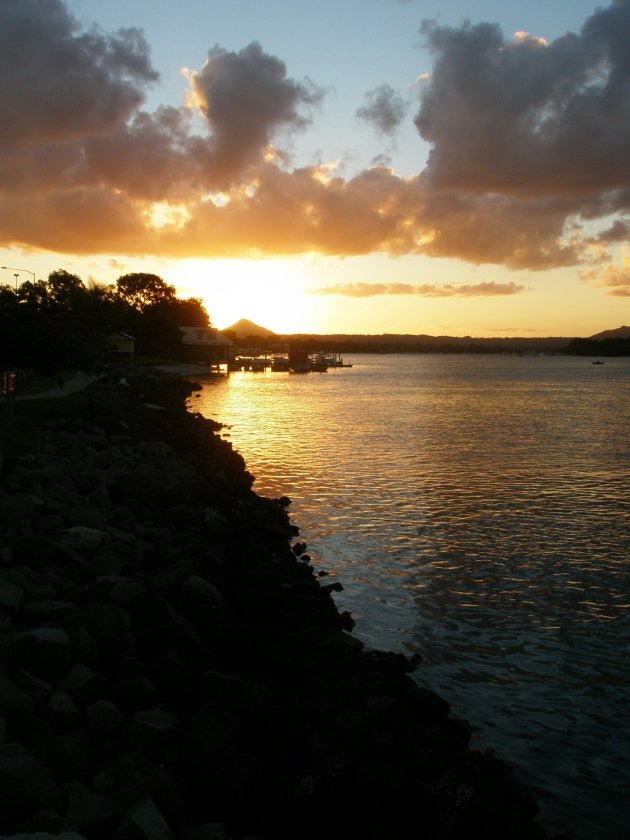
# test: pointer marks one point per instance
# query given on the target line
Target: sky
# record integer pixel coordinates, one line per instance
(356, 166)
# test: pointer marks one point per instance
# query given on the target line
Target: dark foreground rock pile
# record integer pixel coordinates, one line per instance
(171, 667)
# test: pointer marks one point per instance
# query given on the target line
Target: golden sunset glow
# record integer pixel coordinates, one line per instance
(285, 177)
(162, 215)
(269, 292)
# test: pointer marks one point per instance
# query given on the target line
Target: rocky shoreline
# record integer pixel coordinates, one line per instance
(173, 667)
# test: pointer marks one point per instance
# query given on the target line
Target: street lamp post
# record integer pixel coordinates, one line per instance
(19, 271)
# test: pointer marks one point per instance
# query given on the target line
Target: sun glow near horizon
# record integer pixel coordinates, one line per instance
(324, 295)
(271, 292)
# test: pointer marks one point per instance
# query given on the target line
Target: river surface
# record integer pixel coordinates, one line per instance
(476, 510)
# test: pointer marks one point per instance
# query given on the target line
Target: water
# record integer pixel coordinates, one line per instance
(476, 511)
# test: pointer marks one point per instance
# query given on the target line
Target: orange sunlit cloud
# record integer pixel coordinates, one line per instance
(421, 289)
(85, 170)
(614, 278)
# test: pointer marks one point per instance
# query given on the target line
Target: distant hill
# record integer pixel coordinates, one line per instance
(620, 332)
(245, 328)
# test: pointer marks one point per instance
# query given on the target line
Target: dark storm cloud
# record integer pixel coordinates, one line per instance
(383, 108)
(246, 97)
(58, 84)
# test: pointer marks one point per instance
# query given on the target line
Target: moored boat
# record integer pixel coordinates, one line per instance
(299, 361)
(319, 362)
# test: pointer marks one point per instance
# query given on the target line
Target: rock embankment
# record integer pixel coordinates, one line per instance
(172, 668)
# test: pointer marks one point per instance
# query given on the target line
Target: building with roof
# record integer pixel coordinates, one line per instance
(205, 345)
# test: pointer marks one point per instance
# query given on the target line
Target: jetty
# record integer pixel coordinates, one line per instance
(293, 361)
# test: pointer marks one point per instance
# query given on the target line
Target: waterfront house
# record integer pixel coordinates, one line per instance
(205, 345)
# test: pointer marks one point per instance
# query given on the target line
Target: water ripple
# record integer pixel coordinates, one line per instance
(476, 511)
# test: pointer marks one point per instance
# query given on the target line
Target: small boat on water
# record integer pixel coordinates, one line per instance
(319, 362)
(299, 361)
(323, 361)
(280, 362)
(598, 362)
(335, 360)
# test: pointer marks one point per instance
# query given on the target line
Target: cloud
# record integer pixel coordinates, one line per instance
(58, 84)
(383, 108)
(617, 232)
(614, 278)
(246, 97)
(528, 142)
(523, 117)
(485, 289)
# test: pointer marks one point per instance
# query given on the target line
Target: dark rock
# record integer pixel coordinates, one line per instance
(204, 607)
(17, 507)
(131, 777)
(37, 689)
(91, 812)
(87, 516)
(49, 523)
(242, 697)
(153, 733)
(44, 652)
(61, 613)
(63, 713)
(83, 647)
(144, 821)
(34, 553)
(135, 693)
(82, 537)
(83, 684)
(27, 786)
(10, 596)
(103, 716)
(67, 755)
(107, 621)
(12, 699)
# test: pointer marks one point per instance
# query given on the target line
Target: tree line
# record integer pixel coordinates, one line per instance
(616, 346)
(62, 323)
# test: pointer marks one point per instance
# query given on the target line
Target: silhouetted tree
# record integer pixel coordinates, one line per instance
(64, 288)
(190, 313)
(61, 323)
(141, 290)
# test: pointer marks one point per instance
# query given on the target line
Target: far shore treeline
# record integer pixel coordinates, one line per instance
(62, 323)
(616, 345)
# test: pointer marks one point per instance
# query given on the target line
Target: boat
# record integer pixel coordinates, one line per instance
(335, 361)
(280, 362)
(319, 362)
(299, 361)
(598, 362)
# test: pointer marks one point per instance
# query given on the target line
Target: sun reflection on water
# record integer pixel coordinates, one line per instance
(476, 511)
